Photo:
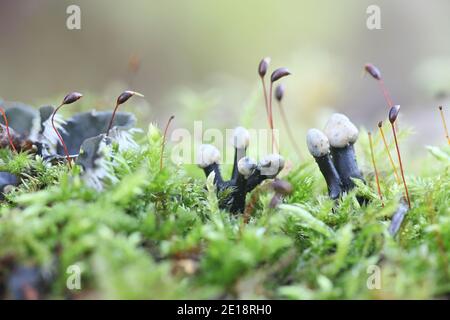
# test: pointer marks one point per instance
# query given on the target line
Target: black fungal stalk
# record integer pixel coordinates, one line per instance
(208, 159)
(268, 168)
(342, 134)
(246, 166)
(247, 174)
(240, 143)
(319, 147)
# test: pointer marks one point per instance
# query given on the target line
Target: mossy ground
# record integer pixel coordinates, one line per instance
(159, 233)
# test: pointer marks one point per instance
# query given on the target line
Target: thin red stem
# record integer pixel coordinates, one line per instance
(444, 124)
(274, 143)
(60, 137)
(397, 178)
(387, 96)
(164, 142)
(401, 165)
(288, 129)
(375, 169)
(112, 119)
(268, 108)
(7, 130)
(266, 103)
(385, 92)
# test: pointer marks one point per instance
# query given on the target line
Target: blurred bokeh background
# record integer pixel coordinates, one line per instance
(197, 59)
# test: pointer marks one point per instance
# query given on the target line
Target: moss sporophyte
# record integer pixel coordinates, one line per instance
(136, 225)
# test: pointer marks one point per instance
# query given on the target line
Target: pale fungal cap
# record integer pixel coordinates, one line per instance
(271, 164)
(246, 166)
(241, 138)
(318, 144)
(207, 155)
(340, 131)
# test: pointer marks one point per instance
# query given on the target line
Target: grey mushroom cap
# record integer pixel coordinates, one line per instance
(246, 166)
(241, 138)
(318, 144)
(271, 164)
(207, 155)
(340, 131)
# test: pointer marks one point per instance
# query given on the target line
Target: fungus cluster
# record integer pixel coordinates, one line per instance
(247, 173)
(333, 149)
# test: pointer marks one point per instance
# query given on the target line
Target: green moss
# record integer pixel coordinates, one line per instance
(159, 233)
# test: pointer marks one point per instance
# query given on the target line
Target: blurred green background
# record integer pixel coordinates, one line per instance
(197, 59)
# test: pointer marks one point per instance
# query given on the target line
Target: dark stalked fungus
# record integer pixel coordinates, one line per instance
(121, 99)
(208, 158)
(247, 174)
(319, 147)
(94, 158)
(268, 168)
(246, 166)
(342, 134)
(240, 141)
